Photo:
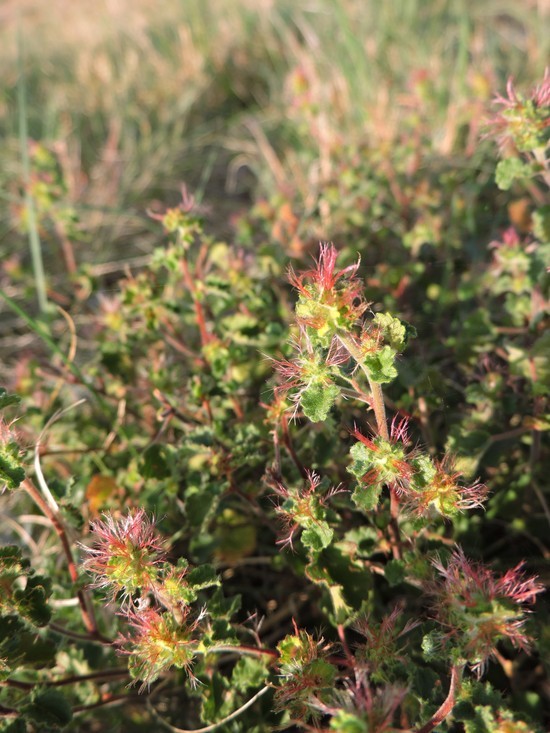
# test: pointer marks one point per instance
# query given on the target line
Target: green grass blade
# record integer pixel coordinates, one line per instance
(42, 331)
(34, 238)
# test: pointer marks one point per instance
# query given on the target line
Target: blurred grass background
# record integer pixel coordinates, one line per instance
(237, 98)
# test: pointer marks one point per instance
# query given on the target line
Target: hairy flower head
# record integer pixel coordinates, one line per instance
(436, 486)
(329, 299)
(378, 461)
(523, 121)
(306, 676)
(305, 507)
(312, 372)
(157, 642)
(126, 554)
(479, 609)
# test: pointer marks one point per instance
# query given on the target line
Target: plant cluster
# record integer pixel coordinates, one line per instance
(332, 550)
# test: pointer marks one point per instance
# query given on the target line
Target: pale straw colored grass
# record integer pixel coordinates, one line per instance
(131, 93)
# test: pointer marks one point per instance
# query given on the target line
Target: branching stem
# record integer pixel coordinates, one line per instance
(382, 425)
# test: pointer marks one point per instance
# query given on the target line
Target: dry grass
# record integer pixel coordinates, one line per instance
(131, 94)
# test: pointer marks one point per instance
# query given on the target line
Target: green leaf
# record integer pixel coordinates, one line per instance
(394, 572)
(203, 576)
(221, 607)
(238, 324)
(317, 536)
(14, 726)
(72, 513)
(12, 472)
(31, 601)
(533, 364)
(218, 358)
(431, 646)
(7, 399)
(380, 365)
(424, 471)
(347, 580)
(362, 460)
(317, 400)
(48, 708)
(155, 462)
(541, 223)
(425, 681)
(290, 650)
(235, 535)
(467, 445)
(201, 502)
(249, 672)
(12, 563)
(220, 631)
(19, 645)
(393, 331)
(483, 721)
(323, 672)
(366, 498)
(509, 170)
(344, 722)
(364, 540)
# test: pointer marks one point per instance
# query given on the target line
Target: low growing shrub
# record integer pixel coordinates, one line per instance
(277, 539)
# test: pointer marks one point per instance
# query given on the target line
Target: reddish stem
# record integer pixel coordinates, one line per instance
(70, 634)
(449, 702)
(287, 440)
(109, 700)
(86, 608)
(379, 409)
(245, 649)
(207, 408)
(199, 311)
(66, 248)
(237, 408)
(345, 646)
(8, 712)
(73, 679)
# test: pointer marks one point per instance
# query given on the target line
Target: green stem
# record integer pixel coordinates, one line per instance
(212, 726)
(242, 649)
(34, 239)
(382, 424)
(376, 390)
(540, 156)
(379, 407)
